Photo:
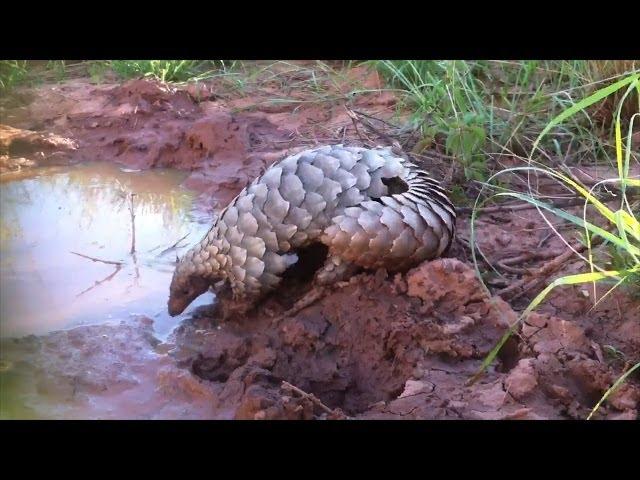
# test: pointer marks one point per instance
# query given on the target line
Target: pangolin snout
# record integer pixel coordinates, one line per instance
(175, 307)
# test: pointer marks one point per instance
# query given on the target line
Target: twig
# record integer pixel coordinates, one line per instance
(100, 282)
(525, 257)
(137, 270)
(569, 202)
(133, 225)
(168, 249)
(540, 274)
(354, 120)
(310, 396)
(510, 269)
(544, 240)
(434, 154)
(310, 298)
(93, 259)
(355, 117)
(375, 118)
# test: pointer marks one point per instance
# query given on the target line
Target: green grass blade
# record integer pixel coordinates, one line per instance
(567, 280)
(613, 388)
(590, 100)
(575, 220)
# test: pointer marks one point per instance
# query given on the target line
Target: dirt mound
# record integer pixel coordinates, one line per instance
(399, 348)
(377, 347)
(25, 148)
(224, 140)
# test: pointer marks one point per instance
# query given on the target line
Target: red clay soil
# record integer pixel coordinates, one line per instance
(373, 348)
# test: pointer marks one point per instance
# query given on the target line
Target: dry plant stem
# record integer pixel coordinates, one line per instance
(137, 270)
(93, 259)
(355, 117)
(569, 202)
(510, 269)
(310, 298)
(133, 225)
(540, 274)
(310, 396)
(525, 257)
(362, 114)
(507, 263)
(168, 249)
(100, 282)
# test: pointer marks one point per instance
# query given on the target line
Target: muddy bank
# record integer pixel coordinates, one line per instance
(111, 371)
(402, 347)
(224, 140)
(376, 347)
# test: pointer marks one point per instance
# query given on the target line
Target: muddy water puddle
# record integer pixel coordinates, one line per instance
(53, 211)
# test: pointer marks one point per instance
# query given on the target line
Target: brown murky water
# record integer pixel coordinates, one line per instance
(86, 209)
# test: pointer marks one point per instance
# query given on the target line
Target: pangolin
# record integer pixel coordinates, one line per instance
(370, 207)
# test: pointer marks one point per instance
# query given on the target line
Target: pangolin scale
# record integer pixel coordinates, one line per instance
(370, 207)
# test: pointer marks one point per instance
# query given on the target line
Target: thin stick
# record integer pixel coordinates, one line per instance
(355, 117)
(137, 270)
(100, 282)
(569, 202)
(540, 274)
(93, 259)
(310, 298)
(375, 118)
(133, 225)
(525, 257)
(510, 269)
(168, 249)
(310, 396)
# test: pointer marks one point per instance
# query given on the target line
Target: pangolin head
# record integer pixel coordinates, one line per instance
(187, 284)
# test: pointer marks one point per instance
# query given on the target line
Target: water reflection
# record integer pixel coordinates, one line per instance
(85, 209)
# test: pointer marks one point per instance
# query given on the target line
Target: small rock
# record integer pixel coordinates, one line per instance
(626, 397)
(522, 380)
(626, 415)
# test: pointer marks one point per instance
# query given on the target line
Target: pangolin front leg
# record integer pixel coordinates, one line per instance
(334, 270)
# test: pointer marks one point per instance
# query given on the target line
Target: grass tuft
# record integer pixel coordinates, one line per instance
(479, 109)
(12, 73)
(622, 232)
(167, 70)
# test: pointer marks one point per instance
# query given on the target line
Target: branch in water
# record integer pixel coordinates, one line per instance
(93, 259)
(168, 249)
(99, 282)
(133, 225)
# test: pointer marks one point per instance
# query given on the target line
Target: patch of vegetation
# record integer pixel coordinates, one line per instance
(17, 72)
(167, 70)
(622, 226)
(58, 68)
(97, 70)
(477, 109)
(12, 73)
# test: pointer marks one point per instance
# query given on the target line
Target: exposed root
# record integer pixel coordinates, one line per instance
(335, 414)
